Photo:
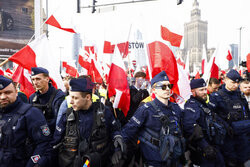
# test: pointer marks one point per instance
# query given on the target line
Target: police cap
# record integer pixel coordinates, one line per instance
(4, 82)
(197, 83)
(38, 70)
(234, 75)
(81, 85)
(162, 76)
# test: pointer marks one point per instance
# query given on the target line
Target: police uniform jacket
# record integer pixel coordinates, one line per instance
(147, 117)
(86, 119)
(44, 99)
(31, 124)
(194, 114)
(218, 105)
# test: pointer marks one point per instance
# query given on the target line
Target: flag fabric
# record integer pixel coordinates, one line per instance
(183, 85)
(173, 38)
(219, 60)
(248, 62)
(197, 76)
(229, 56)
(162, 58)
(62, 18)
(22, 76)
(180, 62)
(72, 71)
(38, 54)
(123, 48)
(108, 48)
(91, 64)
(118, 83)
(53, 22)
(203, 60)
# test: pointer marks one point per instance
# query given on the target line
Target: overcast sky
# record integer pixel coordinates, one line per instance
(224, 17)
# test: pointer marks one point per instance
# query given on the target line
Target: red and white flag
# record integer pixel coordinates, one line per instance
(62, 18)
(22, 76)
(204, 59)
(173, 38)
(118, 83)
(162, 58)
(72, 71)
(38, 54)
(219, 60)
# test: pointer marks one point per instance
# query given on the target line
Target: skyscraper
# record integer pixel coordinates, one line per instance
(195, 35)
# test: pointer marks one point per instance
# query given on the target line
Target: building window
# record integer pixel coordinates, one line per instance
(25, 10)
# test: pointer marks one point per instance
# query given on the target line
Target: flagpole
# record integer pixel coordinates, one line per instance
(128, 55)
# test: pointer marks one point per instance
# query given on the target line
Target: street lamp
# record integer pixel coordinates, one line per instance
(239, 51)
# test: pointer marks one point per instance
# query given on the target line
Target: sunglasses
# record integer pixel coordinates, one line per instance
(164, 87)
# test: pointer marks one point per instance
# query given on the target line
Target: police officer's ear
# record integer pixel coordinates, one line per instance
(193, 92)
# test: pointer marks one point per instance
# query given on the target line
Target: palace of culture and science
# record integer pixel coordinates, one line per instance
(195, 36)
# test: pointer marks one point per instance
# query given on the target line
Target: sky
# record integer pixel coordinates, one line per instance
(224, 18)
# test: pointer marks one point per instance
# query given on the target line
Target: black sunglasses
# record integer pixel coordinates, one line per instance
(164, 87)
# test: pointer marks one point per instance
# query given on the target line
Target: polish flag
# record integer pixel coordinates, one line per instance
(63, 17)
(204, 59)
(72, 71)
(22, 76)
(8, 72)
(91, 64)
(183, 85)
(197, 76)
(173, 38)
(180, 62)
(1, 71)
(162, 58)
(248, 62)
(219, 60)
(38, 54)
(118, 83)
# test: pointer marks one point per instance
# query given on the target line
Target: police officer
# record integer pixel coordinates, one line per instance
(156, 123)
(232, 107)
(85, 132)
(24, 133)
(47, 97)
(199, 128)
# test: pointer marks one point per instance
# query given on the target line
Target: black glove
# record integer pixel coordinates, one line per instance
(197, 133)
(118, 141)
(116, 157)
(209, 153)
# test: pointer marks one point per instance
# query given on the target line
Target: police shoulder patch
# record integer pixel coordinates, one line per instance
(35, 158)
(45, 130)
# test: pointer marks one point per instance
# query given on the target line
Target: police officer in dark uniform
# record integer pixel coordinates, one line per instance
(232, 107)
(24, 133)
(198, 124)
(85, 132)
(47, 97)
(157, 124)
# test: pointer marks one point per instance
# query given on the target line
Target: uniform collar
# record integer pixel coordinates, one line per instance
(48, 93)
(11, 107)
(227, 91)
(160, 104)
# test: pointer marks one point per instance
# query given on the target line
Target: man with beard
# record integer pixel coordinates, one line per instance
(24, 133)
(245, 89)
(200, 130)
(232, 107)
